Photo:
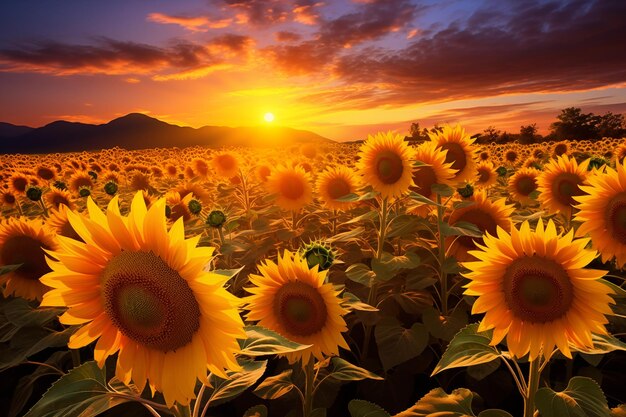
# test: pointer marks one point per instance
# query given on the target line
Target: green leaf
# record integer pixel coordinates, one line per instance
(437, 402)
(30, 340)
(583, 397)
(414, 302)
(318, 412)
(360, 408)
(444, 327)
(388, 266)
(369, 215)
(461, 229)
(353, 302)
(404, 225)
(346, 236)
(9, 268)
(467, 348)
(361, 273)
(601, 344)
(225, 389)
(262, 341)
(275, 386)
(348, 198)
(619, 291)
(397, 344)
(256, 411)
(442, 190)
(345, 371)
(80, 393)
(424, 200)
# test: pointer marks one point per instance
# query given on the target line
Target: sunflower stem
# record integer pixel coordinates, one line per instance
(443, 276)
(371, 298)
(307, 405)
(196, 406)
(183, 410)
(533, 385)
(43, 207)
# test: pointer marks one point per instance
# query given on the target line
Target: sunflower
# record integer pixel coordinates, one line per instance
(560, 182)
(487, 215)
(536, 291)
(263, 172)
(385, 163)
(139, 181)
(143, 291)
(46, 173)
(80, 179)
(59, 222)
(225, 164)
(620, 153)
(293, 300)
(486, 175)
(56, 197)
(201, 167)
(18, 182)
(336, 182)
(460, 151)
(291, 186)
(7, 198)
(434, 170)
(522, 184)
(602, 213)
(23, 242)
(560, 149)
(178, 206)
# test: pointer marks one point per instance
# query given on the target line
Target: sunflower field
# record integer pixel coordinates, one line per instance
(374, 279)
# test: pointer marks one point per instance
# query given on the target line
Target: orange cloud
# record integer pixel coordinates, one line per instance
(194, 24)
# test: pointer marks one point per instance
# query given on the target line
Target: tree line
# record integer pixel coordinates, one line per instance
(571, 124)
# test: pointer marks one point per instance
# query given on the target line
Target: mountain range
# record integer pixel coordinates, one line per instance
(138, 131)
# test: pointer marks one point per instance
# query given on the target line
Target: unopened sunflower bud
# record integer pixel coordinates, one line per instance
(195, 207)
(501, 172)
(316, 253)
(467, 191)
(110, 188)
(84, 191)
(34, 193)
(60, 185)
(216, 218)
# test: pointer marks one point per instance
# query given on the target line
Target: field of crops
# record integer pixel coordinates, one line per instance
(384, 278)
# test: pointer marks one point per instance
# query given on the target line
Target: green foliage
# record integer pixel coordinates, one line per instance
(582, 398)
(275, 386)
(467, 348)
(397, 344)
(222, 390)
(262, 341)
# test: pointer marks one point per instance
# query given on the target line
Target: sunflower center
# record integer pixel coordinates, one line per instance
(511, 156)
(537, 289)
(300, 308)
(291, 187)
(615, 217)
(226, 161)
(149, 302)
(483, 221)
(526, 185)
(456, 155)
(20, 184)
(424, 178)
(337, 188)
(389, 167)
(565, 187)
(27, 251)
(483, 175)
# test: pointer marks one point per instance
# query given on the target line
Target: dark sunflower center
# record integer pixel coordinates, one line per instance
(615, 217)
(484, 222)
(560, 149)
(45, 173)
(338, 187)
(511, 156)
(300, 308)
(291, 187)
(537, 289)
(226, 161)
(456, 155)
(149, 302)
(27, 251)
(20, 184)
(525, 185)
(565, 187)
(83, 182)
(424, 178)
(389, 167)
(483, 175)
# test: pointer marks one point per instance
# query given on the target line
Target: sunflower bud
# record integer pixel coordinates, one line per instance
(596, 162)
(33, 193)
(501, 171)
(110, 188)
(84, 191)
(216, 218)
(467, 191)
(317, 254)
(60, 185)
(195, 207)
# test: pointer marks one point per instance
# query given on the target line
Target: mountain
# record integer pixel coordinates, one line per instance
(138, 131)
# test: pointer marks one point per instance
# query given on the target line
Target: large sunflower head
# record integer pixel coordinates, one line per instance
(57, 197)
(602, 213)
(225, 164)
(560, 182)
(536, 291)
(18, 182)
(458, 144)
(292, 299)
(292, 187)
(141, 290)
(522, 184)
(386, 164)
(486, 175)
(336, 182)
(24, 242)
(486, 214)
(80, 179)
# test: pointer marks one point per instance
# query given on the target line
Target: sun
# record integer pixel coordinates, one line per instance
(269, 117)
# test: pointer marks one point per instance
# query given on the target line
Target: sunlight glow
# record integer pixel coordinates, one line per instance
(269, 117)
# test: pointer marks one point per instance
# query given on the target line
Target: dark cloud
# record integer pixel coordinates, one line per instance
(259, 12)
(370, 21)
(287, 36)
(535, 47)
(233, 42)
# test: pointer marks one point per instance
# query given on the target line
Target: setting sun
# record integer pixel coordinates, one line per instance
(269, 117)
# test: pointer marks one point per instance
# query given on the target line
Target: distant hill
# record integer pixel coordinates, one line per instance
(138, 131)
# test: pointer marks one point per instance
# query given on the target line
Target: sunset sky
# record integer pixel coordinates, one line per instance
(342, 69)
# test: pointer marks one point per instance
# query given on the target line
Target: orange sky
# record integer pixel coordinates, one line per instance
(341, 69)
